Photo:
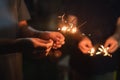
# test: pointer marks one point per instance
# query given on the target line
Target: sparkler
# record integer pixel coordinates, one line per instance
(100, 50)
(69, 27)
(47, 52)
(65, 26)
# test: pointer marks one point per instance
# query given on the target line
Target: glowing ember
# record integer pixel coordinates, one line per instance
(74, 30)
(92, 51)
(68, 29)
(64, 28)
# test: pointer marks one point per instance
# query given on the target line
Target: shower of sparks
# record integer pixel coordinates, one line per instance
(101, 50)
(67, 26)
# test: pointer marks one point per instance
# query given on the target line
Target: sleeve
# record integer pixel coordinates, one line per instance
(23, 13)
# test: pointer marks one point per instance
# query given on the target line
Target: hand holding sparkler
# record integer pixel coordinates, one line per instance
(58, 39)
(54, 40)
(112, 43)
(41, 47)
(85, 45)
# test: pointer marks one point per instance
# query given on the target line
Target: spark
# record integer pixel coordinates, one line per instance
(92, 51)
(82, 24)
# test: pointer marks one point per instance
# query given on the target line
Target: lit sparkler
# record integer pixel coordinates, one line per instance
(69, 27)
(104, 50)
(101, 50)
(65, 26)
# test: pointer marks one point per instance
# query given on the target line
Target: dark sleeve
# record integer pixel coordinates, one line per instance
(23, 13)
(13, 46)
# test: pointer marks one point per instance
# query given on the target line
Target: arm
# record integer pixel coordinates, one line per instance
(26, 31)
(113, 41)
(117, 32)
(8, 46)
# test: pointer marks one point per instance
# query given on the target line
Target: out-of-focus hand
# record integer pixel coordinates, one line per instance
(47, 44)
(112, 43)
(58, 39)
(85, 45)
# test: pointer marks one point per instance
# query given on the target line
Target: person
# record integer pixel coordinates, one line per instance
(37, 66)
(101, 28)
(17, 36)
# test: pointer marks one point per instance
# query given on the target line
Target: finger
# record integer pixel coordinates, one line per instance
(60, 40)
(112, 48)
(59, 43)
(43, 43)
(107, 44)
(60, 37)
(57, 46)
(84, 49)
(41, 40)
(49, 43)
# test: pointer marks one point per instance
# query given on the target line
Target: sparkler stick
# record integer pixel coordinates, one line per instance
(47, 53)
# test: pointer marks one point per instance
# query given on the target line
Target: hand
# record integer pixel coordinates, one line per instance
(112, 43)
(47, 44)
(58, 39)
(85, 45)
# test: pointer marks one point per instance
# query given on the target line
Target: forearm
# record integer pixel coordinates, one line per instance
(27, 31)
